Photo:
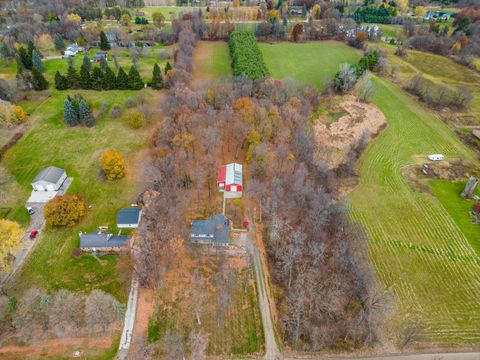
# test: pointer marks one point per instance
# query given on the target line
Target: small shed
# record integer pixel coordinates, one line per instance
(102, 242)
(49, 179)
(129, 218)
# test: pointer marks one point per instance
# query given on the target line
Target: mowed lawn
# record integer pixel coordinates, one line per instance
(212, 60)
(79, 151)
(312, 62)
(419, 251)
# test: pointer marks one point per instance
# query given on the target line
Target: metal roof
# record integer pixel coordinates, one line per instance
(98, 240)
(128, 216)
(50, 174)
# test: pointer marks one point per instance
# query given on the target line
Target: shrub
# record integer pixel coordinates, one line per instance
(66, 210)
(19, 113)
(129, 103)
(115, 111)
(247, 59)
(8, 116)
(113, 165)
(135, 120)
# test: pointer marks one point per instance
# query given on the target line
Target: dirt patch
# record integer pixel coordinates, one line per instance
(145, 308)
(343, 125)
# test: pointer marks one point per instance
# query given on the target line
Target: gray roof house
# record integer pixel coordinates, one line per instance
(215, 230)
(49, 179)
(99, 241)
(129, 218)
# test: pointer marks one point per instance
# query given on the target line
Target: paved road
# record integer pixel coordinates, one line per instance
(271, 348)
(126, 338)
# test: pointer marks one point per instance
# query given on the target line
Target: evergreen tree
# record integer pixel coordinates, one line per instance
(73, 79)
(157, 80)
(87, 63)
(69, 112)
(104, 44)
(39, 81)
(85, 81)
(37, 62)
(134, 80)
(168, 67)
(109, 80)
(32, 48)
(59, 44)
(97, 78)
(103, 63)
(122, 80)
(25, 59)
(84, 114)
(61, 82)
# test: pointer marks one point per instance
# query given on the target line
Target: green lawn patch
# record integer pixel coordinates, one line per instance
(313, 62)
(211, 59)
(459, 208)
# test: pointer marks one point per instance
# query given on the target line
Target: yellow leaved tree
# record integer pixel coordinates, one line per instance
(10, 235)
(113, 165)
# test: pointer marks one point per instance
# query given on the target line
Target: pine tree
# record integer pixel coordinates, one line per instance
(25, 59)
(109, 79)
(59, 44)
(87, 63)
(122, 80)
(31, 48)
(168, 67)
(37, 62)
(134, 80)
(97, 78)
(157, 80)
(60, 81)
(69, 112)
(104, 44)
(84, 113)
(73, 79)
(39, 81)
(85, 81)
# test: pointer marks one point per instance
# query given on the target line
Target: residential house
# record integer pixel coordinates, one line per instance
(102, 242)
(49, 179)
(215, 230)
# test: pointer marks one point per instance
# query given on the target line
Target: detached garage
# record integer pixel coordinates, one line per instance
(129, 218)
(49, 179)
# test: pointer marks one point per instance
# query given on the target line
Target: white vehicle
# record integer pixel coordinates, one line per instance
(30, 210)
(436, 157)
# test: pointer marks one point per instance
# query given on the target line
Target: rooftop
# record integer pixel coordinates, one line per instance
(215, 229)
(128, 216)
(99, 240)
(50, 174)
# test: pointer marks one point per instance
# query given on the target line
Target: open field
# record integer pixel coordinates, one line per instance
(417, 248)
(79, 151)
(313, 62)
(211, 59)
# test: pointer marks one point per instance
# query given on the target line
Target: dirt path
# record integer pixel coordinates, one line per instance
(432, 356)
(271, 348)
(145, 308)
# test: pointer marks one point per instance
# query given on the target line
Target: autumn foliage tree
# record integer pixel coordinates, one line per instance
(66, 210)
(113, 165)
(10, 235)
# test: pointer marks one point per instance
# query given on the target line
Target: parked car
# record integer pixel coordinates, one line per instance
(436, 157)
(33, 234)
(30, 210)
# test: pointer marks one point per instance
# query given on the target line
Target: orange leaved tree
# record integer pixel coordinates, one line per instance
(113, 165)
(66, 210)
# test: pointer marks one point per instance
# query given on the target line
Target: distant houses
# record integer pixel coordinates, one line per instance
(73, 49)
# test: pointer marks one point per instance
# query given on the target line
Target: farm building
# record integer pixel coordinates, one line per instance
(129, 218)
(49, 179)
(99, 55)
(102, 242)
(215, 230)
(229, 178)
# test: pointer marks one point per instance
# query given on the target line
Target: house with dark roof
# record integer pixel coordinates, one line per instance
(129, 218)
(102, 242)
(49, 179)
(215, 230)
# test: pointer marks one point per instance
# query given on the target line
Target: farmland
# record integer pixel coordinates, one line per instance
(419, 251)
(315, 62)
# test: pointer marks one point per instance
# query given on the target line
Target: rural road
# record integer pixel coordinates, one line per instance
(433, 356)
(271, 348)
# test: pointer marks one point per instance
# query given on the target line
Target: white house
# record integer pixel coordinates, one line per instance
(49, 179)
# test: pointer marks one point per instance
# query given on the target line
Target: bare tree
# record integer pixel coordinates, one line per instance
(197, 343)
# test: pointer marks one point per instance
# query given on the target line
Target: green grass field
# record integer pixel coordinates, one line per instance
(212, 60)
(419, 251)
(78, 150)
(315, 62)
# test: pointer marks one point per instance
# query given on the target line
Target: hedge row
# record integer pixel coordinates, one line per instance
(247, 59)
